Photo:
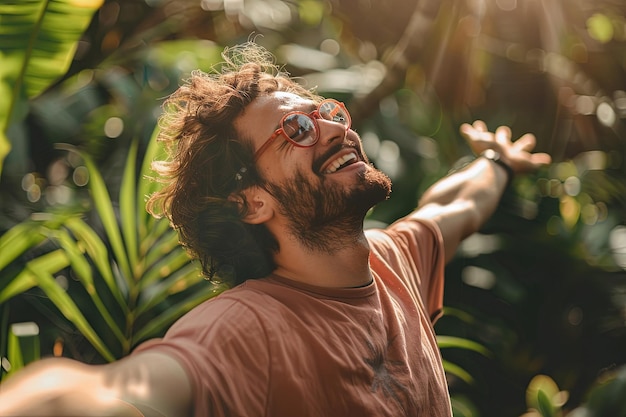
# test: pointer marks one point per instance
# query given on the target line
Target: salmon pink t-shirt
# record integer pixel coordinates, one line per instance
(278, 348)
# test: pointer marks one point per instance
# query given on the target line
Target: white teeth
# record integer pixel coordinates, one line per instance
(334, 165)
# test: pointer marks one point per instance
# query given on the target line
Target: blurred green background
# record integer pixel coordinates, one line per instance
(535, 318)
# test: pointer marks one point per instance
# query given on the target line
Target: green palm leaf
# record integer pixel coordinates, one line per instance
(49, 263)
(104, 206)
(170, 315)
(17, 240)
(98, 253)
(69, 309)
(38, 39)
(128, 203)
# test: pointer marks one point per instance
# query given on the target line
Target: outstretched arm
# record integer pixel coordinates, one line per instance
(463, 201)
(146, 384)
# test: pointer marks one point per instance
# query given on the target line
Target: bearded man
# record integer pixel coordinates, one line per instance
(268, 186)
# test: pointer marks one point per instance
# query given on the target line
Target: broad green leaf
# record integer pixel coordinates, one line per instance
(164, 320)
(23, 345)
(147, 185)
(77, 260)
(98, 253)
(104, 206)
(167, 244)
(69, 309)
(50, 263)
(463, 406)
(164, 267)
(38, 39)
(177, 282)
(83, 272)
(457, 371)
(17, 240)
(539, 395)
(159, 234)
(545, 404)
(128, 204)
(458, 342)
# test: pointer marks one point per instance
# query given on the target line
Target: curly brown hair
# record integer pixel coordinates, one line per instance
(208, 161)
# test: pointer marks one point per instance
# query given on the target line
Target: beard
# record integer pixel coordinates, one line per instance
(324, 216)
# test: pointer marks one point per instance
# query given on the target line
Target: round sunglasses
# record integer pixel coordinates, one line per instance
(302, 130)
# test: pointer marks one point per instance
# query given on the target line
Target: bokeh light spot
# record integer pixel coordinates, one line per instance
(617, 241)
(592, 160)
(81, 176)
(61, 281)
(600, 27)
(585, 105)
(389, 158)
(564, 170)
(389, 151)
(589, 214)
(426, 147)
(27, 181)
(507, 5)
(58, 172)
(212, 5)
(575, 316)
(570, 211)
(572, 186)
(371, 144)
(478, 277)
(113, 127)
(554, 225)
(606, 115)
(33, 194)
(330, 46)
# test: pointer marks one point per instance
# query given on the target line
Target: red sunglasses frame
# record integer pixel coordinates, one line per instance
(314, 116)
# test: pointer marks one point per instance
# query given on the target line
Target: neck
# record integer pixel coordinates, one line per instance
(347, 265)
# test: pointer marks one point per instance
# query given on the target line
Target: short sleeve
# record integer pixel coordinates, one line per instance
(413, 249)
(225, 356)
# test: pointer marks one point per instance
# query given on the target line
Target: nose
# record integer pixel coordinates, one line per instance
(330, 131)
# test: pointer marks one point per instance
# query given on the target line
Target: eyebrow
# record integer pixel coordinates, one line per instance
(307, 109)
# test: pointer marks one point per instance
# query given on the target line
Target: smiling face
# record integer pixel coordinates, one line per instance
(324, 190)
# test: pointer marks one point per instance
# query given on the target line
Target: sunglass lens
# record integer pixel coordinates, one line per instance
(299, 128)
(332, 111)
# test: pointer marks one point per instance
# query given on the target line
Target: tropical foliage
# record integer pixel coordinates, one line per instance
(535, 303)
(135, 279)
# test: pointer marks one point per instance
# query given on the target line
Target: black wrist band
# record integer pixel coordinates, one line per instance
(494, 156)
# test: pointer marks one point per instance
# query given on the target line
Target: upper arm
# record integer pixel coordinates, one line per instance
(455, 220)
(154, 383)
(142, 385)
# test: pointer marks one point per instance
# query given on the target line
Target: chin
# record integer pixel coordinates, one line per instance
(375, 187)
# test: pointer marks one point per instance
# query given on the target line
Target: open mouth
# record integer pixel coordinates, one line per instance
(340, 162)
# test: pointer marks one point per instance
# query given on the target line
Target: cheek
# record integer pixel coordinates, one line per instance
(280, 171)
(355, 139)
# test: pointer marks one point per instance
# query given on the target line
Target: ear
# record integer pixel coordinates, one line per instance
(259, 204)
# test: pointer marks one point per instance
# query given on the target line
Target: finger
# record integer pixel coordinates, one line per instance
(466, 129)
(541, 158)
(526, 143)
(480, 126)
(503, 135)
(474, 132)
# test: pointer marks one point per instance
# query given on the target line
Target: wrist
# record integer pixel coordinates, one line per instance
(494, 156)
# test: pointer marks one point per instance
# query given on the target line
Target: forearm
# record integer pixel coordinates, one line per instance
(463, 201)
(59, 387)
(480, 184)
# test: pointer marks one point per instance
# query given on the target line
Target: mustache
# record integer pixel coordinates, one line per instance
(349, 144)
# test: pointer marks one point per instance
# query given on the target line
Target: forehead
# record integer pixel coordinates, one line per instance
(262, 116)
(280, 102)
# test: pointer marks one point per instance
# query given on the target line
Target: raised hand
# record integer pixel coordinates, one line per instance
(516, 154)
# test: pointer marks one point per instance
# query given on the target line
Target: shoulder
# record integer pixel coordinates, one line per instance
(238, 307)
(409, 231)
